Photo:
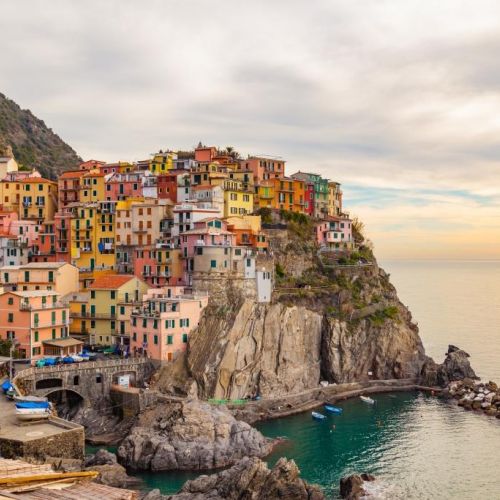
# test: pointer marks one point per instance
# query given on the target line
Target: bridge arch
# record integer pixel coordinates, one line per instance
(67, 401)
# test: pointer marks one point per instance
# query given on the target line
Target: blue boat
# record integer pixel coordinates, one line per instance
(333, 409)
(50, 361)
(68, 360)
(31, 405)
(6, 386)
(318, 416)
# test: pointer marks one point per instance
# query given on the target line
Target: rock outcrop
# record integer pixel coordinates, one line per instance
(250, 478)
(456, 366)
(280, 348)
(351, 487)
(111, 473)
(475, 396)
(189, 436)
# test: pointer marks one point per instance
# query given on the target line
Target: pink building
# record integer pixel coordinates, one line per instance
(26, 230)
(6, 219)
(122, 186)
(161, 326)
(263, 168)
(335, 233)
(37, 322)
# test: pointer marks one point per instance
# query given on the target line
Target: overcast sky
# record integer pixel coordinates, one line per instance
(397, 100)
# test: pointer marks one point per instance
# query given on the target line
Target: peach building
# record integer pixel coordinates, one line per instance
(161, 326)
(37, 322)
(335, 233)
(59, 277)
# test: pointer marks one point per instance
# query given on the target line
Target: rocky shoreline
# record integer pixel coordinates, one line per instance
(473, 395)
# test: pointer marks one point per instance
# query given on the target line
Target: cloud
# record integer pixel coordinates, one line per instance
(381, 96)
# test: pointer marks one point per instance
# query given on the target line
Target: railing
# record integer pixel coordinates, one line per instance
(51, 324)
(86, 314)
(29, 307)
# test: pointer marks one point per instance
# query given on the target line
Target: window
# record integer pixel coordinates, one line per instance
(170, 339)
(76, 380)
(213, 264)
(53, 333)
(134, 336)
(185, 338)
(98, 379)
(26, 276)
(36, 337)
(10, 301)
(113, 294)
(10, 318)
(155, 339)
(92, 294)
(53, 317)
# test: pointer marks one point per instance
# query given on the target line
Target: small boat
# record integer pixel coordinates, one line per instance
(6, 386)
(25, 399)
(76, 358)
(32, 413)
(333, 409)
(32, 405)
(67, 360)
(50, 361)
(368, 400)
(318, 416)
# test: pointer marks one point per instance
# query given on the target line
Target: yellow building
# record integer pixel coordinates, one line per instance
(334, 199)
(162, 162)
(38, 199)
(107, 294)
(237, 199)
(93, 187)
(93, 237)
(10, 195)
(79, 322)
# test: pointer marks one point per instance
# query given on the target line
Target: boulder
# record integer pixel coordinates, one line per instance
(456, 366)
(351, 487)
(190, 435)
(249, 478)
(101, 457)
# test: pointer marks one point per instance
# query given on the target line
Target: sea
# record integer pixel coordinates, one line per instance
(417, 446)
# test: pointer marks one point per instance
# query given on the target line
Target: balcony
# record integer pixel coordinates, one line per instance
(42, 307)
(91, 315)
(52, 324)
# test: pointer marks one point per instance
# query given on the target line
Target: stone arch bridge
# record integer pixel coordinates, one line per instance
(91, 380)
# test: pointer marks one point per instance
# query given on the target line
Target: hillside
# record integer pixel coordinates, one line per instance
(32, 142)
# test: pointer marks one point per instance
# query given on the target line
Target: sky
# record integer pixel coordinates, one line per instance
(397, 100)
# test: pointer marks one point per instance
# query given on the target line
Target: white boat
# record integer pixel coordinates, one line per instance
(77, 358)
(32, 414)
(368, 400)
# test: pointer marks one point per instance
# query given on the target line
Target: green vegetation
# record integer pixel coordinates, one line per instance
(266, 215)
(379, 318)
(34, 144)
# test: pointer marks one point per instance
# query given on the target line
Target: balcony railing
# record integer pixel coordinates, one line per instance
(40, 307)
(91, 315)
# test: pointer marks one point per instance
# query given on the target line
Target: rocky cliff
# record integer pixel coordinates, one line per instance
(326, 322)
(189, 436)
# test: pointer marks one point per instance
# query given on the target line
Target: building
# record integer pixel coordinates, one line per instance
(321, 192)
(335, 233)
(7, 163)
(34, 320)
(334, 199)
(69, 184)
(13, 252)
(237, 199)
(122, 186)
(44, 248)
(59, 277)
(162, 162)
(162, 324)
(263, 167)
(38, 199)
(93, 187)
(107, 293)
(247, 230)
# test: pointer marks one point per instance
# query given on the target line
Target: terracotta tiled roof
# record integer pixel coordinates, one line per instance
(110, 281)
(70, 174)
(37, 180)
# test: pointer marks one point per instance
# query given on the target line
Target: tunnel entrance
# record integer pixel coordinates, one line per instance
(67, 403)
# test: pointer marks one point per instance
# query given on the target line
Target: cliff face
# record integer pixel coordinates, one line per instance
(292, 344)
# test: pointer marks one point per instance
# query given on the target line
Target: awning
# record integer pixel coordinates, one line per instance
(66, 342)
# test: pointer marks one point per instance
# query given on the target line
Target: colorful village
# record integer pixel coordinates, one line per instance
(124, 256)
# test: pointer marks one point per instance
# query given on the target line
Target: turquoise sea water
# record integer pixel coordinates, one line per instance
(418, 446)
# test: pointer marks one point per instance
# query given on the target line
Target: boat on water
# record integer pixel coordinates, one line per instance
(333, 409)
(367, 400)
(318, 416)
(32, 413)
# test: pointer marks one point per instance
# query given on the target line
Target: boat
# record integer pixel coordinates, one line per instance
(24, 399)
(333, 409)
(368, 400)
(32, 405)
(318, 416)
(6, 386)
(32, 413)
(67, 360)
(76, 358)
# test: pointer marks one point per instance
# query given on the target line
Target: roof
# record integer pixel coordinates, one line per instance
(37, 180)
(71, 174)
(111, 281)
(44, 265)
(207, 230)
(66, 342)
(80, 491)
